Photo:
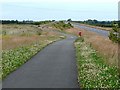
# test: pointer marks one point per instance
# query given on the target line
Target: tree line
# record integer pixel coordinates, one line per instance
(16, 22)
(96, 23)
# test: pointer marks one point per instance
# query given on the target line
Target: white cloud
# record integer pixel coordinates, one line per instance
(99, 9)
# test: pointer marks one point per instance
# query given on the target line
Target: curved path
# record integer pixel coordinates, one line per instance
(53, 67)
(98, 31)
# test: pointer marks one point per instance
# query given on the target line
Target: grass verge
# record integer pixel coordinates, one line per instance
(105, 47)
(14, 58)
(92, 71)
(22, 42)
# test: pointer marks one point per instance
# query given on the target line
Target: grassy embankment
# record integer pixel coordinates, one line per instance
(105, 47)
(61, 26)
(92, 70)
(20, 43)
(97, 60)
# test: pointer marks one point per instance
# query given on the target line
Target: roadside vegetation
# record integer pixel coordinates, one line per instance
(97, 57)
(41, 22)
(62, 25)
(14, 58)
(97, 60)
(92, 70)
(21, 42)
(105, 47)
(115, 33)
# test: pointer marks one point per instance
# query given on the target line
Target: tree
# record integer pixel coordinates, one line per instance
(53, 20)
(69, 20)
(115, 32)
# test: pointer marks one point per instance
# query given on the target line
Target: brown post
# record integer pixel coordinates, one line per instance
(80, 33)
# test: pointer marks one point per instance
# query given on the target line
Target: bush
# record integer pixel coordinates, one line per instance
(61, 25)
(39, 32)
(41, 22)
(115, 33)
(36, 23)
(80, 39)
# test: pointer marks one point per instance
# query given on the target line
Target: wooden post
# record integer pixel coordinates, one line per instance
(80, 33)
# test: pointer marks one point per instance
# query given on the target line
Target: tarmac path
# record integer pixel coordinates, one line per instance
(53, 67)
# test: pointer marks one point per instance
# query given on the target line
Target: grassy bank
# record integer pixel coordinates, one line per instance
(61, 25)
(22, 42)
(14, 58)
(92, 71)
(103, 45)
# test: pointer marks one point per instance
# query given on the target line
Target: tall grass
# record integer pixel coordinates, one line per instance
(103, 45)
(92, 71)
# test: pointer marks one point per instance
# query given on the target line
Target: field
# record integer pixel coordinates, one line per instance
(21, 42)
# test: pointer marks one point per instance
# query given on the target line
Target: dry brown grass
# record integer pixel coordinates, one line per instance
(10, 42)
(103, 45)
(21, 35)
(19, 29)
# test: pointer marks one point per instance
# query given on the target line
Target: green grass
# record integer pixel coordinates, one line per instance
(92, 71)
(61, 25)
(22, 50)
(14, 58)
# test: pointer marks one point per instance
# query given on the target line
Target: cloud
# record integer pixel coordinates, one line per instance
(78, 9)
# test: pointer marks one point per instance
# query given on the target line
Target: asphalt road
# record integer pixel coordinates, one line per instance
(98, 31)
(53, 67)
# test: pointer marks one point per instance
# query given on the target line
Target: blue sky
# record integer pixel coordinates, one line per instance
(59, 9)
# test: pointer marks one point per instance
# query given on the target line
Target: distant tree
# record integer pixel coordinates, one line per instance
(9, 21)
(53, 20)
(69, 20)
(36, 23)
(95, 21)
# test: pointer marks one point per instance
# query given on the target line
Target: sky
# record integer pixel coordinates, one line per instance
(59, 9)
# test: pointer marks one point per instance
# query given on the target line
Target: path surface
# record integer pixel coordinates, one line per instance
(53, 67)
(99, 31)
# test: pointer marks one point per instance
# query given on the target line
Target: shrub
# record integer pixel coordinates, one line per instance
(61, 25)
(115, 33)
